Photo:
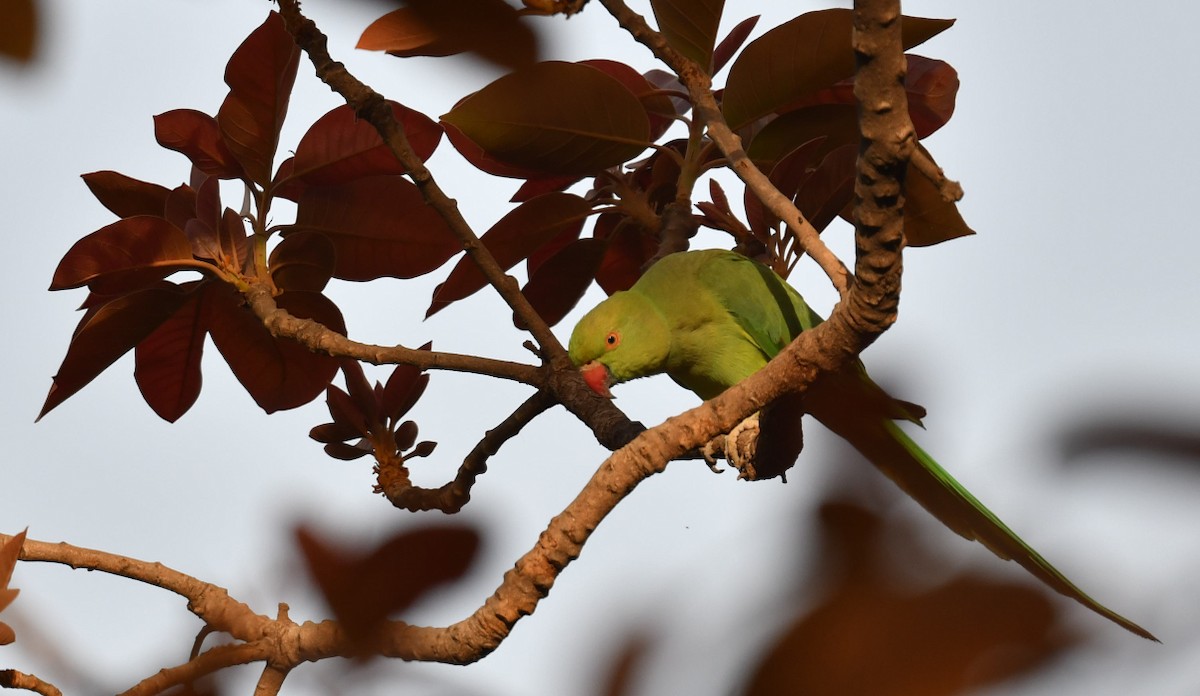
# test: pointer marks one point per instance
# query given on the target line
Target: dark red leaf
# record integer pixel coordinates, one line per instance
(831, 186)
(19, 29)
(492, 29)
(628, 251)
(348, 453)
(522, 231)
(801, 56)
(533, 188)
(333, 432)
(668, 83)
(197, 136)
(181, 206)
(423, 449)
(302, 261)
(406, 435)
(277, 373)
(932, 87)
(556, 286)
(403, 390)
(364, 589)
(360, 391)
(379, 226)
(167, 362)
(339, 147)
(659, 108)
(553, 118)
(836, 123)
(227, 245)
(126, 196)
(690, 26)
(260, 75)
(129, 254)
(732, 42)
(345, 411)
(108, 331)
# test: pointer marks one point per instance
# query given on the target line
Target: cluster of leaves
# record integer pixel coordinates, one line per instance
(373, 416)
(550, 124)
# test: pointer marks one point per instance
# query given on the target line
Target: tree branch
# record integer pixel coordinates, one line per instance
(371, 107)
(699, 86)
(321, 339)
(12, 679)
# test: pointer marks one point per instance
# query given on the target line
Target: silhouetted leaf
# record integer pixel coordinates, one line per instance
(340, 147)
(302, 261)
(801, 56)
(18, 29)
(932, 87)
(690, 26)
(627, 252)
(108, 331)
(491, 29)
(278, 373)
(181, 206)
(659, 109)
(260, 75)
(167, 362)
(554, 118)
(128, 254)
(404, 387)
(379, 226)
(518, 234)
(197, 136)
(830, 187)
(228, 245)
(533, 188)
(732, 42)
(126, 196)
(364, 589)
(556, 286)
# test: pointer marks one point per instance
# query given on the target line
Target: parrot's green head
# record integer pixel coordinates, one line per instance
(622, 338)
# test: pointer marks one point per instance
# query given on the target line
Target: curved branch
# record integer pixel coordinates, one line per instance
(451, 497)
(210, 661)
(699, 85)
(12, 679)
(371, 107)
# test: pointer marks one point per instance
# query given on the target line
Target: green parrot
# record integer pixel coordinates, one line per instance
(709, 319)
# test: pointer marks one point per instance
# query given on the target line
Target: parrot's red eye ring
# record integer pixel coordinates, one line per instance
(613, 339)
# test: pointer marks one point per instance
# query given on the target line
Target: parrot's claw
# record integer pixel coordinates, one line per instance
(710, 451)
(738, 447)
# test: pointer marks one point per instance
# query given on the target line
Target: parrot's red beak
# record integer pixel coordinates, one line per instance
(597, 377)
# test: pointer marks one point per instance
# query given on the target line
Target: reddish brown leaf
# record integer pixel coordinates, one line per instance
(126, 196)
(379, 226)
(347, 416)
(364, 589)
(690, 26)
(302, 261)
(556, 286)
(277, 373)
(181, 206)
(348, 453)
(554, 118)
(836, 123)
(108, 331)
(533, 188)
(659, 109)
(627, 253)
(18, 29)
(260, 75)
(197, 136)
(404, 388)
(128, 254)
(228, 245)
(492, 29)
(732, 42)
(332, 432)
(831, 186)
(167, 362)
(932, 87)
(518, 234)
(801, 56)
(339, 147)
(359, 389)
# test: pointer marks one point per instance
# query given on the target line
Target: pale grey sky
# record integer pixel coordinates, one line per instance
(1078, 296)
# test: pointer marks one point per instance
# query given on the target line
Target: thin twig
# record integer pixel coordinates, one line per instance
(319, 338)
(451, 497)
(213, 660)
(951, 191)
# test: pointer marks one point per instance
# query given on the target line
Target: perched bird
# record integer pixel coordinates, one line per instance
(709, 319)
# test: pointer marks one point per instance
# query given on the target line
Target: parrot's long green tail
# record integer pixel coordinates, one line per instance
(895, 454)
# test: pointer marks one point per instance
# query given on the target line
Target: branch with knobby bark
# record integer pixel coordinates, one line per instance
(12, 679)
(371, 106)
(704, 104)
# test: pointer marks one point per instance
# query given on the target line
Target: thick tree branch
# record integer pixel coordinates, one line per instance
(12, 679)
(699, 86)
(371, 107)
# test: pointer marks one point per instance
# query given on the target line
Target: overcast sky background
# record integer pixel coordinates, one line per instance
(1074, 141)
